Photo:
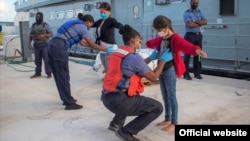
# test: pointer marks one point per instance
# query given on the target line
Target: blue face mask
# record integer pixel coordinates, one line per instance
(104, 16)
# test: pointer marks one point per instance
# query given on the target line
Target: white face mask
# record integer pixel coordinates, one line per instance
(138, 50)
(162, 34)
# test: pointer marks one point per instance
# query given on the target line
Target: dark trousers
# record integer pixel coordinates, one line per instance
(58, 58)
(195, 39)
(41, 53)
(146, 109)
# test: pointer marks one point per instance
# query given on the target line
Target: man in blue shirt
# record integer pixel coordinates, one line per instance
(71, 32)
(194, 20)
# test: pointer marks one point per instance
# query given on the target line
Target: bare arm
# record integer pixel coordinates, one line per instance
(84, 43)
(201, 53)
(46, 35)
(197, 23)
(153, 75)
(147, 60)
(192, 24)
(201, 22)
(90, 43)
(30, 40)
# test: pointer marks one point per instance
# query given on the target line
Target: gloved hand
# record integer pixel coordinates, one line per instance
(167, 55)
(154, 55)
(110, 49)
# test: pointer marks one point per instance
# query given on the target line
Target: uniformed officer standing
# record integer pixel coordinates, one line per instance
(194, 20)
(40, 33)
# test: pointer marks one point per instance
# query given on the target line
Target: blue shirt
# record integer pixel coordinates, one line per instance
(131, 64)
(76, 30)
(191, 15)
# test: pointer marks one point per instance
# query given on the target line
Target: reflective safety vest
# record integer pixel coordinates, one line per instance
(114, 73)
(64, 30)
(35, 32)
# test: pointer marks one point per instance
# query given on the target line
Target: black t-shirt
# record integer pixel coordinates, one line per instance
(166, 44)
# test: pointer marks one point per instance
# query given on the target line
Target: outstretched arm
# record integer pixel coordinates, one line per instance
(90, 43)
(201, 53)
(153, 75)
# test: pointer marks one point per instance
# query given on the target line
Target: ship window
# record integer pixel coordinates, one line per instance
(69, 14)
(162, 2)
(59, 15)
(77, 11)
(52, 15)
(98, 5)
(176, 1)
(227, 7)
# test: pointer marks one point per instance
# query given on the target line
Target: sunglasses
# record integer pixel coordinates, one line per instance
(195, 3)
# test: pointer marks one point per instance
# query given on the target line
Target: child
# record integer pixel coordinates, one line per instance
(168, 39)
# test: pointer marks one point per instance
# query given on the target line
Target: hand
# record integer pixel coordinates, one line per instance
(201, 53)
(110, 49)
(167, 55)
(30, 46)
(154, 55)
(42, 36)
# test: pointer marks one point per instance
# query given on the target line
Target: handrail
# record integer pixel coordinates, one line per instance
(7, 44)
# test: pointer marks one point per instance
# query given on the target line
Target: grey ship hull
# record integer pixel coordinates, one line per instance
(226, 37)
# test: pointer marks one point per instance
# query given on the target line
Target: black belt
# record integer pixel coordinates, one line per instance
(40, 42)
(168, 65)
(194, 33)
(58, 38)
(118, 92)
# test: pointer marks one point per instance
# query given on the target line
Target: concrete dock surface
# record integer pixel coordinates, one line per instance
(31, 110)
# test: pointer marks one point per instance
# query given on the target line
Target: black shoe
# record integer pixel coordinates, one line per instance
(187, 77)
(73, 107)
(49, 76)
(95, 69)
(125, 136)
(35, 76)
(114, 127)
(104, 71)
(198, 76)
(65, 103)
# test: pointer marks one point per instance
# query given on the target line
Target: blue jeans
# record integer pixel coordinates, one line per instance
(168, 91)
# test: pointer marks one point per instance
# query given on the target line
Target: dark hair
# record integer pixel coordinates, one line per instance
(162, 22)
(128, 33)
(88, 17)
(80, 16)
(105, 6)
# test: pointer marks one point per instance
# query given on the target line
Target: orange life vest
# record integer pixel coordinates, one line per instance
(114, 73)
